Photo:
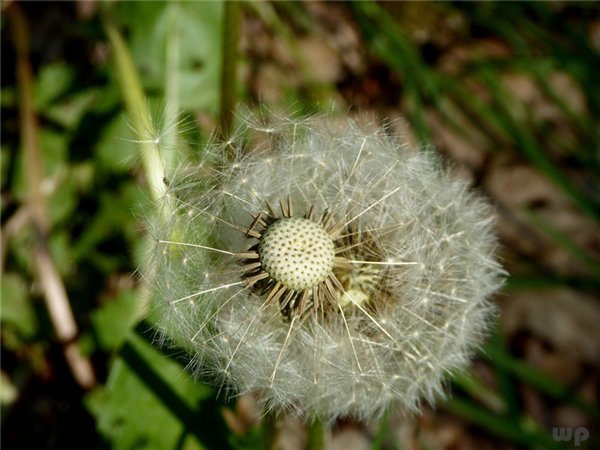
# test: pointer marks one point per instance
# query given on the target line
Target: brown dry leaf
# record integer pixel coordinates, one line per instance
(569, 91)
(529, 100)
(468, 149)
(400, 127)
(562, 367)
(569, 416)
(270, 83)
(333, 26)
(439, 430)
(245, 415)
(594, 31)
(322, 61)
(530, 105)
(429, 22)
(554, 362)
(292, 435)
(518, 188)
(457, 57)
(565, 318)
(349, 438)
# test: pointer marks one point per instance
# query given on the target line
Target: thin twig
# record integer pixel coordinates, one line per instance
(55, 294)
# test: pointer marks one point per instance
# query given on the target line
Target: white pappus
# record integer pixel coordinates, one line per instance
(324, 266)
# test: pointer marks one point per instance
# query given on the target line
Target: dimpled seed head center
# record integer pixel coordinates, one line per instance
(296, 252)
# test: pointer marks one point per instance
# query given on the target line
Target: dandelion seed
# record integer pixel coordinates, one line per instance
(333, 272)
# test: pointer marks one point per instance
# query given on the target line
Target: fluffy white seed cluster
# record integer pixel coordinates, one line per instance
(324, 266)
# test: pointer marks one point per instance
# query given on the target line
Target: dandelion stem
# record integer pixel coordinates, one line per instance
(141, 119)
(316, 435)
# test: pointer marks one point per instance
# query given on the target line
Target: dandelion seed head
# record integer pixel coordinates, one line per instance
(326, 267)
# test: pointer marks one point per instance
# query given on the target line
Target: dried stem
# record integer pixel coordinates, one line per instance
(55, 293)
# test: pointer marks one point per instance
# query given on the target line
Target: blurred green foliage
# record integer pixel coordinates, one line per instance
(95, 191)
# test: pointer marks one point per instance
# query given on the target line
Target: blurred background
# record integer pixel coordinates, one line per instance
(507, 92)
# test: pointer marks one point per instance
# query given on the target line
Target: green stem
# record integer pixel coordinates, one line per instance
(147, 136)
(316, 435)
(138, 110)
(231, 31)
(382, 433)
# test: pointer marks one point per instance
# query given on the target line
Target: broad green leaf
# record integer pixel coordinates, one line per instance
(115, 150)
(53, 152)
(63, 200)
(149, 403)
(113, 321)
(199, 29)
(53, 81)
(17, 310)
(69, 112)
(113, 217)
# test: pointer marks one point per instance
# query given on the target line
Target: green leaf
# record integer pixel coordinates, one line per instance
(17, 310)
(53, 153)
(517, 430)
(116, 151)
(53, 81)
(149, 403)
(565, 242)
(69, 112)
(199, 35)
(115, 215)
(61, 251)
(539, 380)
(113, 321)
(63, 201)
